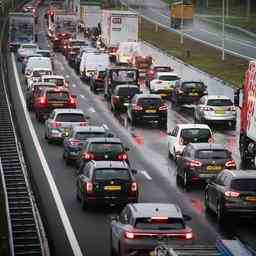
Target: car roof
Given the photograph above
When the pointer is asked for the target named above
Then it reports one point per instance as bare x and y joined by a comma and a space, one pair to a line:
69, 110
191, 125
89, 128
53, 76
167, 74
144, 95
127, 86
111, 164
213, 97
242, 174
104, 140
142, 210
201, 145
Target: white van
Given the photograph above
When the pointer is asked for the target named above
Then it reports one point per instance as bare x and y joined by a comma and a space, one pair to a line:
91, 62
36, 75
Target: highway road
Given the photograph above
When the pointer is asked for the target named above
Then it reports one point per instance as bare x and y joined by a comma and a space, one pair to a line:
235, 41
148, 154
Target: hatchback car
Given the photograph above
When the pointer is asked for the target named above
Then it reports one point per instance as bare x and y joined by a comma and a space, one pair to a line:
73, 143
140, 227
216, 109
147, 107
182, 134
201, 161
102, 149
61, 121
123, 95
163, 83
188, 92
232, 193
106, 182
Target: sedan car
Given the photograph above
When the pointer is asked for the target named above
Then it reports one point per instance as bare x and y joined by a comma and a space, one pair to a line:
73, 143
25, 50
147, 107
201, 161
188, 92
216, 109
140, 227
182, 134
61, 122
232, 193
106, 182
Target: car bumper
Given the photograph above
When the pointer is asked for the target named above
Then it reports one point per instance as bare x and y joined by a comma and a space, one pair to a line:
73, 155
151, 116
188, 99
98, 85
239, 209
220, 119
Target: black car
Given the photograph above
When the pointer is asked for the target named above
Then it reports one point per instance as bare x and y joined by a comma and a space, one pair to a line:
201, 161
97, 81
123, 95
147, 107
102, 149
232, 193
188, 92
106, 182
117, 76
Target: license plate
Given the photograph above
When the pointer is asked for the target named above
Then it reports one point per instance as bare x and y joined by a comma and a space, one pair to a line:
193, 94
57, 104
150, 111
163, 94
220, 112
213, 168
112, 188
251, 198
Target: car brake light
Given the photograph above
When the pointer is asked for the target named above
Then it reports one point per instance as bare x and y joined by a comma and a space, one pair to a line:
116, 98
134, 186
88, 156
137, 108
42, 101
72, 101
159, 218
129, 235
163, 108
122, 157
232, 194
74, 142
194, 163
89, 187
55, 124
230, 164
189, 236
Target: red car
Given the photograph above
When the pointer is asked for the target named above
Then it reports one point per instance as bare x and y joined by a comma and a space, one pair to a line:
51, 98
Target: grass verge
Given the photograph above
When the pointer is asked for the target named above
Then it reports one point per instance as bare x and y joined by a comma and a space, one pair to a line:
205, 58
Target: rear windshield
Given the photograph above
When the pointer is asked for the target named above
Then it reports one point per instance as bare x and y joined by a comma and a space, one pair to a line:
102, 74
112, 174
244, 184
169, 78
70, 117
128, 91
58, 82
163, 224
163, 69
52, 95
149, 102
124, 75
192, 85
219, 102
86, 135
195, 135
39, 73
213, 154
114, 148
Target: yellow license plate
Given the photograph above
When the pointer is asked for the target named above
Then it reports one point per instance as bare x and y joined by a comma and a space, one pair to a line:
251, 198
163, 94
193, 94
150, 111
112, 188
220, 112
213, 168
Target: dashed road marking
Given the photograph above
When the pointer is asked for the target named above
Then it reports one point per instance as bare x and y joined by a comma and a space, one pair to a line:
92, 110
145, 173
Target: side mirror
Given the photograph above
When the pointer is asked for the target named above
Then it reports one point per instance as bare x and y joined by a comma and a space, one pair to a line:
237, 97
134, 171
126, 149
74, 96
187, 217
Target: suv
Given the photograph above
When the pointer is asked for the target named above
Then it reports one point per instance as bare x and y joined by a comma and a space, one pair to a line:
201, 161
188, 92
102, 149
140, 227
232, 192
97, 80
51, 98
147, 107
216, 109
106, 182
61, 121
122, 95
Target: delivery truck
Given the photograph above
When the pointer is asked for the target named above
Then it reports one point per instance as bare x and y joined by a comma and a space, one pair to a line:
21, 29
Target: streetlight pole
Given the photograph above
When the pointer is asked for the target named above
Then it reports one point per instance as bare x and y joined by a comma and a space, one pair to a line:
182, 23
223, 30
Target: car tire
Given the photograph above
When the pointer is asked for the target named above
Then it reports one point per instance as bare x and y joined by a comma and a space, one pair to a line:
84, 203
206, 201
220, 213
185, 180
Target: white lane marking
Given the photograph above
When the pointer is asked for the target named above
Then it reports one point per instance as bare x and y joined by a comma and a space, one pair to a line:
61, 209
145, 173
105, 127
73, 85
92, 110
82, 96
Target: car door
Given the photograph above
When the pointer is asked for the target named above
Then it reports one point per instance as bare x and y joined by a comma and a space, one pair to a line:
172, 138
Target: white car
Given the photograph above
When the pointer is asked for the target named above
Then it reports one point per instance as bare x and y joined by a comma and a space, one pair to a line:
182, 134
57, 79
25, 50
163, 83
36, 74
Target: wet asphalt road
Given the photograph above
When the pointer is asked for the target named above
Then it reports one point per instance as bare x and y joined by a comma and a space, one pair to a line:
148, 153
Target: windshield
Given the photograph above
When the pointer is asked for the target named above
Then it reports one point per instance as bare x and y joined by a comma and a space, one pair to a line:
45, 54
70, 117
62, 96
193, 85
39, 73
124, 75
213, 154
57, 81
149, 102
112, 174
128, 91
169, 78
195, 135
86, 135
244, 184
219, 102
163, 69
100, 147
159, 224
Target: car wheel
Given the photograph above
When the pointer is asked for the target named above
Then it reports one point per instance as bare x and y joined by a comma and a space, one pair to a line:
206, 201
84, 203
220, 213
185, 181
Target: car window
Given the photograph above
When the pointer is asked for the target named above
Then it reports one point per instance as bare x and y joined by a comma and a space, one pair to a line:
111, 174
212, 154
128, 91
244, 184
219, 102
70, 117
100, 147
192, 85
57, 81
159, 224
168, 78
195, 135
86, 135
52, 95
149, 102
124, 75
39, 73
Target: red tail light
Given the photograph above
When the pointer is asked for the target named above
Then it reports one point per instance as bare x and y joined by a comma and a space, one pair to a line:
122, 157
163, 108
129, 235
74, 142
43, 101
230, 164
194, 163
88, 156
137, 108
88, 187
115, 98
207, 109
134, 187
55, 124
232, 194
72, 101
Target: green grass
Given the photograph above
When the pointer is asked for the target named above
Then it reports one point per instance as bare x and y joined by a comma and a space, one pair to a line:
168, 1
205, 58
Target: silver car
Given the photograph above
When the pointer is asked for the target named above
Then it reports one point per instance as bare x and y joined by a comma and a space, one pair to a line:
216, 109
61, 121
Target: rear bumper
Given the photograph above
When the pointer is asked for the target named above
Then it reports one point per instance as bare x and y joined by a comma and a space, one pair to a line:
98, 85
220, 119
238, 209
